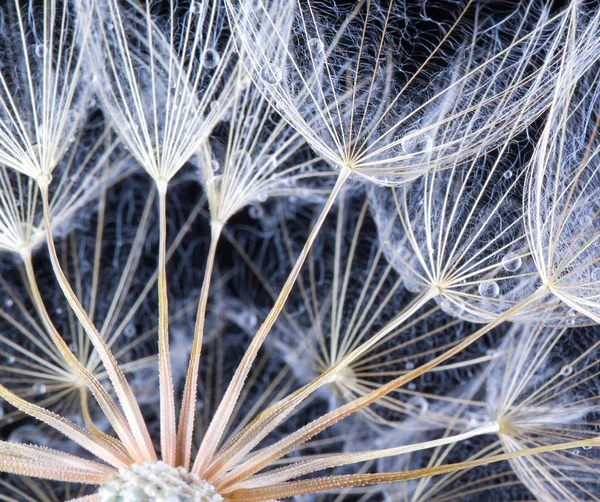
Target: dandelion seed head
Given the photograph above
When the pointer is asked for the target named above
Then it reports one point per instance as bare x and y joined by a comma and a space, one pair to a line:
379, 112
157, 482
541, 391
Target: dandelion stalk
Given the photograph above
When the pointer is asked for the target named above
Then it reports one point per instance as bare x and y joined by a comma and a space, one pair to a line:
303, 468
281, 448
167, 394
271, 417
223, 414
188, 405
295, 488
122, 388
111, 411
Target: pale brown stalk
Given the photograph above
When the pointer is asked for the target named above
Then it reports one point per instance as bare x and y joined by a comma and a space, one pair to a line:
222, 416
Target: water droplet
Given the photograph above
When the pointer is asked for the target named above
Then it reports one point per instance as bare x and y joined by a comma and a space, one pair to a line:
262, 197
255, 212
215, 166
489, 289
38, 388
8, 303
416, 142
196, 7
247, 320
566, 370
129, 331
587, 448
315, 46
420, 403
511, 262
210, 58
451, 308
271, 74
508, 174
110, 26
40, 50
10, 359
409, 365
58, 310
411, 285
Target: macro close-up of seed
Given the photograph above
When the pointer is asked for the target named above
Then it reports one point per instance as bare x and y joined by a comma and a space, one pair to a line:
308, 250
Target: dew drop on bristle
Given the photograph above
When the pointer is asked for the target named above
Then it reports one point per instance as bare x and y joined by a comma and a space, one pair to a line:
416, 142
196, 7
39, 388
315, 46
566, 370
210, 58
511, 262
489, 289
129, 331
271, 74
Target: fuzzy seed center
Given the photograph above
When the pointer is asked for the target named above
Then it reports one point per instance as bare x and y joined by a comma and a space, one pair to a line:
157, 482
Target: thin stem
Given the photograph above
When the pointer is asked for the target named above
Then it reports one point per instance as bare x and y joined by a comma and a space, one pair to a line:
269, 419
108, 406
222, 416
122, 388
309, 466
168, 431
188, 404
285, 490
282, 447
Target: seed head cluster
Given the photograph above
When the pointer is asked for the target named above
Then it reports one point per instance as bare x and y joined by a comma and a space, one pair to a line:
317, 250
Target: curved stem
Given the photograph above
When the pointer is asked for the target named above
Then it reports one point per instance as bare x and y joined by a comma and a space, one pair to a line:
130, 406
222, 416
309, 466
275, 414
188, 405
282, 447
167, 393
285, 490
108, 406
